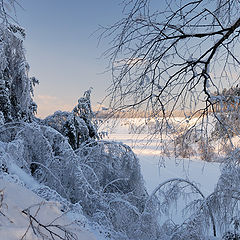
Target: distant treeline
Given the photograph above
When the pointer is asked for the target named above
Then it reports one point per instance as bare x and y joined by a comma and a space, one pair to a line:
141, 114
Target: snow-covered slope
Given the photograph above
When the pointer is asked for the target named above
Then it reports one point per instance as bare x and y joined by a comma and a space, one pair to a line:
24, 215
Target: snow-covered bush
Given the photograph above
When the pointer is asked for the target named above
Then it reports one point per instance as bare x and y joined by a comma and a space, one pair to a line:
206, 150
184, 141
103, 177
117, 174
226, 195
227, 125
191, 141
216, 215
78, 126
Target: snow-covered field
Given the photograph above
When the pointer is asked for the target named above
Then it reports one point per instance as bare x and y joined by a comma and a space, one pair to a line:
156, 168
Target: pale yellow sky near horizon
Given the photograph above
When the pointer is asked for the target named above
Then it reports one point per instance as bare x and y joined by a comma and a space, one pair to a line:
47, 105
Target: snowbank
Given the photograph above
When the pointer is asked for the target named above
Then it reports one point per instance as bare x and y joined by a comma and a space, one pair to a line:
23, 213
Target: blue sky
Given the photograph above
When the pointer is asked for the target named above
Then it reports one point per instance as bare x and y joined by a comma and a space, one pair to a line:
61, 51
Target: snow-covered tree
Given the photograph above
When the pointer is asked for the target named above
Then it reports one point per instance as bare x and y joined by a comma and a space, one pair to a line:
16, 87
62, 152
227, 110
172, 57
78, 126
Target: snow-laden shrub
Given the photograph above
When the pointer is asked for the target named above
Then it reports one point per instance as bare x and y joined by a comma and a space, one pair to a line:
118, 176
226, 205
113, 161
184, 142
103, 177
206, 150
183, 198
216, 215
78, 126
192, 142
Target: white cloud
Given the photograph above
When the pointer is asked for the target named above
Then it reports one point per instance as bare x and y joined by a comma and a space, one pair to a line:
130, 62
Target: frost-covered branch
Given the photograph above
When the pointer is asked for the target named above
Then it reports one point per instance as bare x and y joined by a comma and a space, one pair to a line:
53, 231
178, 181
173, 58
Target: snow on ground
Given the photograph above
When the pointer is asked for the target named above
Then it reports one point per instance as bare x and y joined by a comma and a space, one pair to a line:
18, 205
154, 172
157, 169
